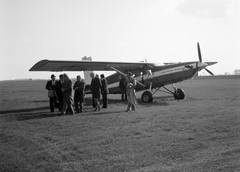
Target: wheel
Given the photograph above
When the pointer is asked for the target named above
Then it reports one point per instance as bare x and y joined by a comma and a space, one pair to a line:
179, 94
147, 97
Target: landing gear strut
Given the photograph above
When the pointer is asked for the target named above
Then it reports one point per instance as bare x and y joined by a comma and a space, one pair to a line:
178, 94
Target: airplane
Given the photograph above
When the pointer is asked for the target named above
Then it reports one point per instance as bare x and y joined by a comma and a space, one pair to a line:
151, 77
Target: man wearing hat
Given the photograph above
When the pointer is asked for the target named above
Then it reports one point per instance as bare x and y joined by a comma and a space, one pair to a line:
50, 86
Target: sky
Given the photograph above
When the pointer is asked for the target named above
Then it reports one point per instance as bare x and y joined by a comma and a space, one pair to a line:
117, 30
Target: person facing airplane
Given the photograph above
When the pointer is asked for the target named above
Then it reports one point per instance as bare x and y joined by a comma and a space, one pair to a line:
67, 95
104, 91
79, 94
95, 88
130, 89
50, 86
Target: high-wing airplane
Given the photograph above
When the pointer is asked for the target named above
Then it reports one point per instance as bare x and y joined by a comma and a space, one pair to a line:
151, 77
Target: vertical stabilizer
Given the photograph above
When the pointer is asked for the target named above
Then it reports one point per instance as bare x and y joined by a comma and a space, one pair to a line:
87, 77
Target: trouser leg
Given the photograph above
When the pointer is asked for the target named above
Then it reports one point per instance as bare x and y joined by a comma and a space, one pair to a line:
122, 95
93, 101
133, 107
125, 96
81, 106
70, 106
96, 101
60, 106
129, 106
105, 101
76, 106
51, 101
64, 109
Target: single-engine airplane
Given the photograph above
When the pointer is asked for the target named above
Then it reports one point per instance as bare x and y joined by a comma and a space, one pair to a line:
151, 77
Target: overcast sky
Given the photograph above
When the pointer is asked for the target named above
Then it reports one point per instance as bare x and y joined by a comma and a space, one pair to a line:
117, 30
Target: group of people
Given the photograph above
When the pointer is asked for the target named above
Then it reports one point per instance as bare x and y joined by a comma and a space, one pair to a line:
98, 87
60, 92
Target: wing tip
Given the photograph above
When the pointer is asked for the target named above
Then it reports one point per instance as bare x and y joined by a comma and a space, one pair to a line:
38, 65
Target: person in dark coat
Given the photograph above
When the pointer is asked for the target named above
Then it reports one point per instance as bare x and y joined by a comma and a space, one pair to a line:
96, 90
50, 86
59, 94
104, 91
79, 94
122, 86
67, 95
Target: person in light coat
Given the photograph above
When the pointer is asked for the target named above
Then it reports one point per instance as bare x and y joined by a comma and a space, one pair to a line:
67, 88
130, 90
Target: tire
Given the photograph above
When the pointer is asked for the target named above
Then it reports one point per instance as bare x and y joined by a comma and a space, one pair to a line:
179, 94
147, 97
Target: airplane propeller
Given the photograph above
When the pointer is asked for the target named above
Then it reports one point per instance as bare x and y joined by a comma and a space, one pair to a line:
200, 60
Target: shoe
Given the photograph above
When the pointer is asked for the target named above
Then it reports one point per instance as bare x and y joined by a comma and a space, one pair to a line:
98, 109
128, 110
104, 107
95, 109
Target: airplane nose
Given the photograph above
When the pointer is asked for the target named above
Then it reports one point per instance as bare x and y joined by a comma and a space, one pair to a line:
202, 65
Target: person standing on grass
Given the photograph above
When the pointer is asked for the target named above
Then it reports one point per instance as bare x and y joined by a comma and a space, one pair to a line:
104, 91
130, 86
95, 88
50, 86
79, 94
67, 95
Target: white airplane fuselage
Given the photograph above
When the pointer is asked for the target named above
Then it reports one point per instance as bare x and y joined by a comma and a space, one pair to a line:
160, 76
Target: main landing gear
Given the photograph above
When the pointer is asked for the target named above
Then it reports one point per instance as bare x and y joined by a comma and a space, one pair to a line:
178, 94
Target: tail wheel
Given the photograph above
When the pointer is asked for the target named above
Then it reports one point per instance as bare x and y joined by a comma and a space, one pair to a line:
147, 97
179, 94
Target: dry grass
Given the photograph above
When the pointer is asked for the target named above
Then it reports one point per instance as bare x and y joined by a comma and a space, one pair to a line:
200, 133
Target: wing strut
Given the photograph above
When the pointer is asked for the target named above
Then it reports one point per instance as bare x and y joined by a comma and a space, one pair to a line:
118, 71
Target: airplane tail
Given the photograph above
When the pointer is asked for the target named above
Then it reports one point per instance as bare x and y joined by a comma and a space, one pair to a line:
86, 74
87, 77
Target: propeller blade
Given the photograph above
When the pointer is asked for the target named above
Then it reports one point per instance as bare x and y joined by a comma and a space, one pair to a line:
209, 71
199, 52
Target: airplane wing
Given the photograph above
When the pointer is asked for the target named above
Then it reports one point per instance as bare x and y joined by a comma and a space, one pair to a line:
51, 65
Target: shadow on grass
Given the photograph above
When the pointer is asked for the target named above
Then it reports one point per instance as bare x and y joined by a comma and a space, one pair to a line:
40, 112
36, 115
24, 110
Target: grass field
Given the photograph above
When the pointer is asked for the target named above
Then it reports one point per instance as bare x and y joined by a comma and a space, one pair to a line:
199, 133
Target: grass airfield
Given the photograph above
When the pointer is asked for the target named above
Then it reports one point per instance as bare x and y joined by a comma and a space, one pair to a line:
199, 133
